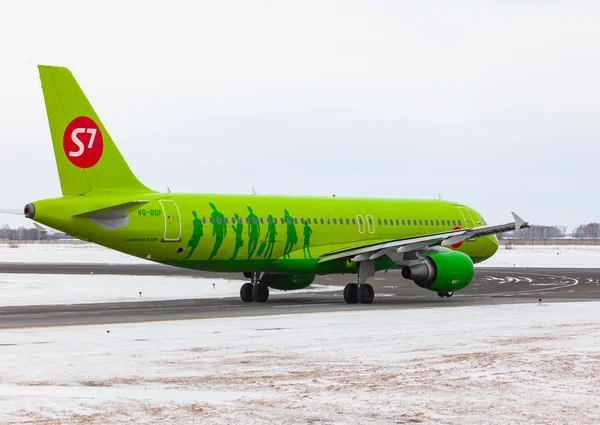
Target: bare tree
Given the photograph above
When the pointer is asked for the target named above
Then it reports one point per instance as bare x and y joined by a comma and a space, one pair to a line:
587, 231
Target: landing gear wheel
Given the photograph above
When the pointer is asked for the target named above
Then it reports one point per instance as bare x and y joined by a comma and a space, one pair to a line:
260, 292
445, 294
449, 293
246, 292
365, 293
351, 293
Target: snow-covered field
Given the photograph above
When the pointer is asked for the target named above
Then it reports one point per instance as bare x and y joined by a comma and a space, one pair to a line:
64, 253
518, 256
36, 289
517, 364
551, 256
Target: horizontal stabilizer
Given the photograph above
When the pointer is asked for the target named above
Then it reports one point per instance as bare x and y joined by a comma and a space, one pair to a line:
114, 217
111, 212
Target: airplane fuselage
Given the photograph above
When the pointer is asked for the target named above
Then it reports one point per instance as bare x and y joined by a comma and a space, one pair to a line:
237, 233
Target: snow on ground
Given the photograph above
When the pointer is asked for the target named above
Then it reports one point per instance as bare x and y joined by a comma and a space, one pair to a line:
39, 289
64, 253
449, 365
550, 256
518, 256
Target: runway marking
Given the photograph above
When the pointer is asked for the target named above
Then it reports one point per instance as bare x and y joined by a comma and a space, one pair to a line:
558, 286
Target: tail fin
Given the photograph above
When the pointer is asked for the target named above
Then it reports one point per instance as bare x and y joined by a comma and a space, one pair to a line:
86, 156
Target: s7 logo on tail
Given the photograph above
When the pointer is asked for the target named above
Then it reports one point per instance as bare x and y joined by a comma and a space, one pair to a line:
83, 143
79, 143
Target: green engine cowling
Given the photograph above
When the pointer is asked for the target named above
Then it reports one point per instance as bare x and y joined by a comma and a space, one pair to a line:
441, 271
288, 282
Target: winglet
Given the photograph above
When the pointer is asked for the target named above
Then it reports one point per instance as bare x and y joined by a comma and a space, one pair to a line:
519, 222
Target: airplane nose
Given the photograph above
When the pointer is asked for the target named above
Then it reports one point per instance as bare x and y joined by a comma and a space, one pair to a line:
491, 245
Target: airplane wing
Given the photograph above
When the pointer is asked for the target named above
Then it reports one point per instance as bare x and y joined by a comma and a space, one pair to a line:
396, 248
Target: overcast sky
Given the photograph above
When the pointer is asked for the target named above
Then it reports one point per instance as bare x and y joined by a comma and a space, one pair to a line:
492, 104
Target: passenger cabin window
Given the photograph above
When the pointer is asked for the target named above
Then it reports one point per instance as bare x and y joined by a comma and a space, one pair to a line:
262, 221
334, 221
328, 222
403, 223
354, 221
204, 220
437, 222
322, 222
347, 221
295, 221
454, 222
459, 223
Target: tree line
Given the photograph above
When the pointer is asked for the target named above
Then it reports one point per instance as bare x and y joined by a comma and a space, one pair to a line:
584, 231
29, 234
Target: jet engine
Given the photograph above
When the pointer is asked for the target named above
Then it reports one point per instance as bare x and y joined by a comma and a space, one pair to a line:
441, 271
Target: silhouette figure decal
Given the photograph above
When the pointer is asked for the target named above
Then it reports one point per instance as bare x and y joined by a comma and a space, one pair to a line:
219, 229
291, 235
239, 242
267, 246
270, 236
253, 232
307, 232
197, 234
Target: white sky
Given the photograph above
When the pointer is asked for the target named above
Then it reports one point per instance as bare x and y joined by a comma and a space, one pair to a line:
493, 104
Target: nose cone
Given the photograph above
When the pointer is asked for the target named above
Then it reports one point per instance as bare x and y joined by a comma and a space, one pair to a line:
489, 246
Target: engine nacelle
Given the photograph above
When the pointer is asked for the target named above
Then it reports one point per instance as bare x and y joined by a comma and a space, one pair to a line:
441, 271
287, 282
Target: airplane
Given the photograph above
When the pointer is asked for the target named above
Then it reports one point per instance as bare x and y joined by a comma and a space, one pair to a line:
279, 242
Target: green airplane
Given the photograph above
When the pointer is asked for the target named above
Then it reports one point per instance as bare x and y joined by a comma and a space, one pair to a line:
279, 242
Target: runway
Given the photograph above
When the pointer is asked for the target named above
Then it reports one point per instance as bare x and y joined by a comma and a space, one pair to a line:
489, 286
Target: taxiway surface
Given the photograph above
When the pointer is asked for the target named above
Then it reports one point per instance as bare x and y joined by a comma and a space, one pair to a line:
489, 286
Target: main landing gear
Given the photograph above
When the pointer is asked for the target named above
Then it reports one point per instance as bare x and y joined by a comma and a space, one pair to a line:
445, 294
361, 292
354, 293
254, 290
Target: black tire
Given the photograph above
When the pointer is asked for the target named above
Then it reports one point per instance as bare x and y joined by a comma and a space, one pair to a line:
445, 294
260, 292
351, 293
246, 292
366, 294
449, 294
